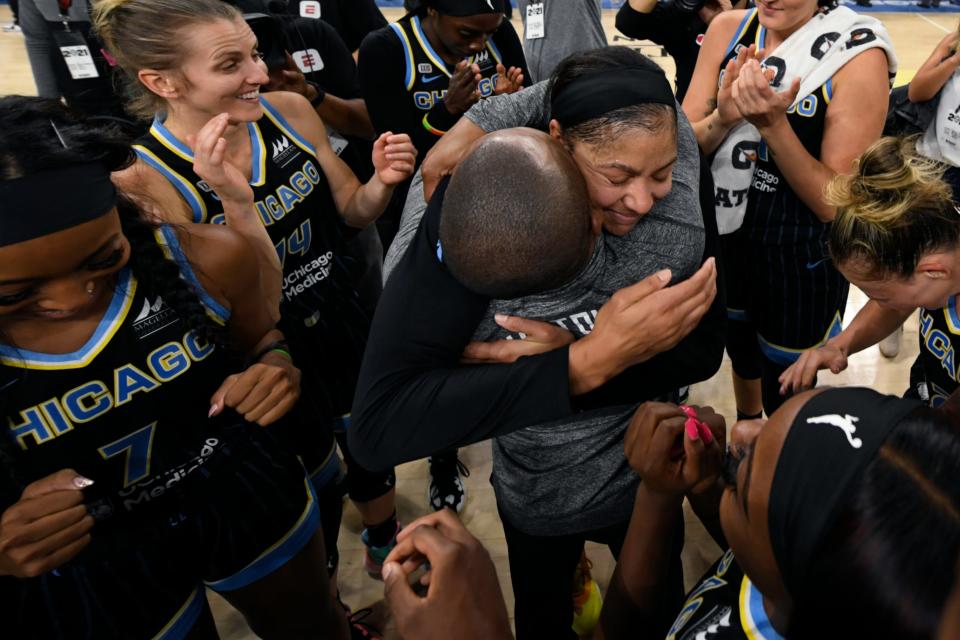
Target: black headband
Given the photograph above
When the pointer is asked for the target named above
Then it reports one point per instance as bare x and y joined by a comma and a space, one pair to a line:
48, 201
591, 96
461, 8
832, 440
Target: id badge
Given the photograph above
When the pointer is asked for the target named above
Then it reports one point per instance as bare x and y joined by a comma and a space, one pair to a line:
534, 29
76, 53
337, 142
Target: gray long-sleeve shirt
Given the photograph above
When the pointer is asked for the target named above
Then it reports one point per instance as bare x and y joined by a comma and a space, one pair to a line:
655, 235
569, 26
570, 475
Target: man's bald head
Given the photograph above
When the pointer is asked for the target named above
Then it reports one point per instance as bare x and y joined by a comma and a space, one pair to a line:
516, 216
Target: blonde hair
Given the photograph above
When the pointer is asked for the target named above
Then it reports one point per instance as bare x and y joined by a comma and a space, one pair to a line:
148, 34
892, 209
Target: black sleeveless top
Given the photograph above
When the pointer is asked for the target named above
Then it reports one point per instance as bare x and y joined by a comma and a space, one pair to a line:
129, 408
322, 315
939, 336
797, 297
725, 605
428, 76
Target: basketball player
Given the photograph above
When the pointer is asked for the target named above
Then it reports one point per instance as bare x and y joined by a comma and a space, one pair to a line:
896, 237
268, 169
133, 475
785, 295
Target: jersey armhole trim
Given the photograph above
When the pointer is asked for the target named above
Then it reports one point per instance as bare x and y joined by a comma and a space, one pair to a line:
741, 29
181, 184
170, 244
427, 48
407, 55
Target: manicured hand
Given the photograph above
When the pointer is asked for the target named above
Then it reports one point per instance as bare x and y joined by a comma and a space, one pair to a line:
672, 452
47, 527
262, 393
538, 337
644, 319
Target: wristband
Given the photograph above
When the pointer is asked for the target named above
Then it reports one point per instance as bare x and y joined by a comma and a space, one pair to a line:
276, 345
282, 352
321, 94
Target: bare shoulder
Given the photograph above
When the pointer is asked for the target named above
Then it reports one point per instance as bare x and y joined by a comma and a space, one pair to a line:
222, 258
152, 192
725, 24
292, 106
867, 71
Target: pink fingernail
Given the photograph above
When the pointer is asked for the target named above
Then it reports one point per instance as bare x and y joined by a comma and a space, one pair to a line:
705, 432
213, 410
691, 426
690, 411
82, 483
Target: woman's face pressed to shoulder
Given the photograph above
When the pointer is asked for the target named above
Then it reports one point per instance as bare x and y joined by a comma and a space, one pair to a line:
223, 72
627, 175
51, 277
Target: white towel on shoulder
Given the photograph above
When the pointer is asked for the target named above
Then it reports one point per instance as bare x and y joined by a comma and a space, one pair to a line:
813, 53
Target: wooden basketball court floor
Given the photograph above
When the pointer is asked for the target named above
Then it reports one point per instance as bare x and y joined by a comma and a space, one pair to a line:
914, 35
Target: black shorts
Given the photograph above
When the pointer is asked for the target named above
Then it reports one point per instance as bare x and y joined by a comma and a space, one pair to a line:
791, 295
252, 513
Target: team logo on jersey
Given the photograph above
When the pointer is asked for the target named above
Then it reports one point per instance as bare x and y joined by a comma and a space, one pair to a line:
425, 67
310, 9
308, 60
481, 57
283, 151
845, 423
153, 317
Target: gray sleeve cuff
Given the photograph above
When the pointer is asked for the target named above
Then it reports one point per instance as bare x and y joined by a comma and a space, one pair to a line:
525, 108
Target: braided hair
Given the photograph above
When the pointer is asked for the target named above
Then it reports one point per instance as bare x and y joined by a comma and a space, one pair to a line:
38, 134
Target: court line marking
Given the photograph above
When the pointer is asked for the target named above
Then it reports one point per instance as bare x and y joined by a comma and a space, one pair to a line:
929, 21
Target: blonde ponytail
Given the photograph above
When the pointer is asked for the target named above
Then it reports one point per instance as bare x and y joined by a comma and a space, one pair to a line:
894, 207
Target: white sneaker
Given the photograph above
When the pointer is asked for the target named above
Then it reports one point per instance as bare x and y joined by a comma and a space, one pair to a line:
13, 27
890, 346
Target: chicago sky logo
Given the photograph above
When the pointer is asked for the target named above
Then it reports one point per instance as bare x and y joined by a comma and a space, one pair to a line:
283, 151
153, 317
